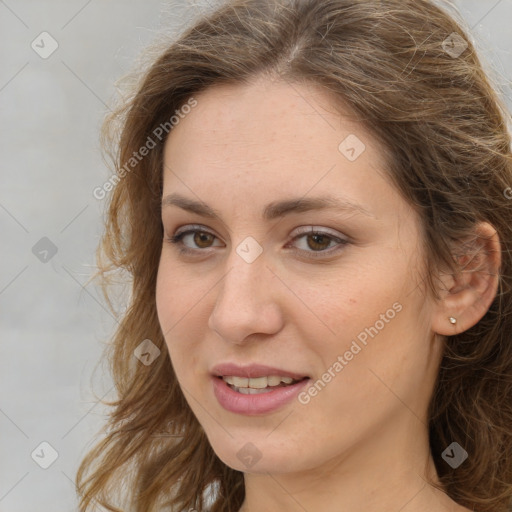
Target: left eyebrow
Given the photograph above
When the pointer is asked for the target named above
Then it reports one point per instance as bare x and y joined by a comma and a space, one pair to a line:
278, 209
273, 210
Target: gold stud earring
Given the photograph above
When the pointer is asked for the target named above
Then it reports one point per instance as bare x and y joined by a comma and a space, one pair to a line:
452, 320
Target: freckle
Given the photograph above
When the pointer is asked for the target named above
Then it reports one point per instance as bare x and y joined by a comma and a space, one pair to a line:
353, 301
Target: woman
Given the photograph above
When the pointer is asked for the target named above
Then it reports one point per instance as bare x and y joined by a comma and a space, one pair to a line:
311, 201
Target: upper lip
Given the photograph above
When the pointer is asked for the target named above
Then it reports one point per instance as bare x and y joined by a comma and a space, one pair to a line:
253, 371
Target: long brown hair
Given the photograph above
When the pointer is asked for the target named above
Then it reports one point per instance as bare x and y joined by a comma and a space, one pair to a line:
445, 130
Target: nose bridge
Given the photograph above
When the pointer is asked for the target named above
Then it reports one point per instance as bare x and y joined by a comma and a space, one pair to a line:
244, 277
245, 301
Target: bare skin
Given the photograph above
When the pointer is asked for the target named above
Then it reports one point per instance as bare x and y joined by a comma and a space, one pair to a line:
361, 442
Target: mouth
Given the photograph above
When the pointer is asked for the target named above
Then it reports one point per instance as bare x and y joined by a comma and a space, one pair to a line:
256, 389
258, 385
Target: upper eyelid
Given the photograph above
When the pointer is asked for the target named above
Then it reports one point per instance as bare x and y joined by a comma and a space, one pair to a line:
193, 228
322, 230
303, 230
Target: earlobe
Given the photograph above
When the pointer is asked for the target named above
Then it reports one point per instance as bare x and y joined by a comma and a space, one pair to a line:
467, 295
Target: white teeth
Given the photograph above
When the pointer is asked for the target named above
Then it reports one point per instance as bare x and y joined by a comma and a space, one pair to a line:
274, 380
240, 382
257, 382
229, 380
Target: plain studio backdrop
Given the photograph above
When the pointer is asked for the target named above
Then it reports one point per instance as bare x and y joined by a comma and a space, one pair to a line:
60, 61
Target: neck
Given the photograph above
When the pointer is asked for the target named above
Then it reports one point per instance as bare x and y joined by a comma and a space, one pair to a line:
388, 471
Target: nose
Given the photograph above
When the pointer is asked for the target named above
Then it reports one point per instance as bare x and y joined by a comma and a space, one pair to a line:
247, 301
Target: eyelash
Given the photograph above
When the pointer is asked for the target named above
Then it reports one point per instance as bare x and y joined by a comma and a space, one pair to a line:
177, 240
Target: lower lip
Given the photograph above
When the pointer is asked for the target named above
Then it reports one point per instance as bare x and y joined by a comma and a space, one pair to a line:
252, 405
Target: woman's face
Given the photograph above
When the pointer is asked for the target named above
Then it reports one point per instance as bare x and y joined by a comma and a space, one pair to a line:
294, 258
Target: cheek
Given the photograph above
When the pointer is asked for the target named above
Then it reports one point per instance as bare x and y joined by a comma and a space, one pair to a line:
180, 293
365, 315
340, 307
177, 303
374, 359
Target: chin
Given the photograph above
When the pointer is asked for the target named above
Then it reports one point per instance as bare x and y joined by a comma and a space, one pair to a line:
275, 463
252, 454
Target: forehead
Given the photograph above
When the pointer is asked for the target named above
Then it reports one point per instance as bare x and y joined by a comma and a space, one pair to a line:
268, 139
266, 122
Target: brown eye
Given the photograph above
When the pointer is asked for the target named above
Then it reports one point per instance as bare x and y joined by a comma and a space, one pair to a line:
318, 242
195, 240
202, 239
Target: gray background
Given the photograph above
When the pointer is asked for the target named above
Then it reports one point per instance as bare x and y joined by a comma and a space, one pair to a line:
53, 326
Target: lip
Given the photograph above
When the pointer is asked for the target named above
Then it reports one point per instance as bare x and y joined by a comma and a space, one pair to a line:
253, 405
252, 371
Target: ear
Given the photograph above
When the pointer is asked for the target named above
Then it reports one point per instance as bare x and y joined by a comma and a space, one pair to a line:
467, 295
